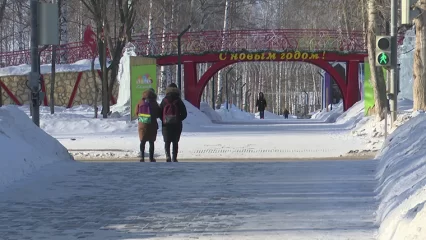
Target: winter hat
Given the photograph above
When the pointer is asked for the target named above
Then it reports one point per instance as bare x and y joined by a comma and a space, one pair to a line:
172, 85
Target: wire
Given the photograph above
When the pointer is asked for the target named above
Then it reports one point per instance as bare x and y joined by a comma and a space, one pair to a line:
407, 51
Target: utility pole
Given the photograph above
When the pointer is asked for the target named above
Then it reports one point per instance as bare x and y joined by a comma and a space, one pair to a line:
34, 76
394, 78
179, 57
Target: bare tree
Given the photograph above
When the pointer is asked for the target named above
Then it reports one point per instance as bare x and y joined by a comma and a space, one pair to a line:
377, 80
127, 14
2, 9
419, 85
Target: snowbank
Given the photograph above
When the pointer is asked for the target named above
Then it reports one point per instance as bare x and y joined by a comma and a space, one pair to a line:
79, 120
212, 114
354, 114
24, 147
23, 69
195, 117
374, 131
330, 116
402, 182
234, 114
269, 115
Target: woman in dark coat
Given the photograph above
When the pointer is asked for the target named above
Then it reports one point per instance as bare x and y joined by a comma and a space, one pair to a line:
261, 105
172, 129
148, 131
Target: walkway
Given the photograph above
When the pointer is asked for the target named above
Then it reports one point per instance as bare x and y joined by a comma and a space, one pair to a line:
287, 200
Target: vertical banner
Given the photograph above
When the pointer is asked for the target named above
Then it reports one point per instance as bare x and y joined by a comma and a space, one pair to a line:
143, 76
369, 100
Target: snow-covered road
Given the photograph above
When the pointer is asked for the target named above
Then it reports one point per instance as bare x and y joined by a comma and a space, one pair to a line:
235, 200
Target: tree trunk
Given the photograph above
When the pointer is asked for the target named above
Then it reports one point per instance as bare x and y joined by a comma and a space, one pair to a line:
150, 30
52, 81
419, 85
95, 84
377, 80
219, 77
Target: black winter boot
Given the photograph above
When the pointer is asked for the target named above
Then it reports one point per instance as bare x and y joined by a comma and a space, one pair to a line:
151, 152
142, 149
175, 151
167, 149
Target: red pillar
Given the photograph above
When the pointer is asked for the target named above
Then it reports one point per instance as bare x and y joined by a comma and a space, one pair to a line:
190, 83
352, 90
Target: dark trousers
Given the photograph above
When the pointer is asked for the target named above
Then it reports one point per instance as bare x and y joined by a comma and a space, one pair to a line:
262, 114
151, 150
174, 152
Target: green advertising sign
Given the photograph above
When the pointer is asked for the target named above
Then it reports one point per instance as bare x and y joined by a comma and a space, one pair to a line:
142, 77
369, 99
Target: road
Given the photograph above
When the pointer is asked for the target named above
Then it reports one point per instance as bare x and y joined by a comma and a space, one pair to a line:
295, 200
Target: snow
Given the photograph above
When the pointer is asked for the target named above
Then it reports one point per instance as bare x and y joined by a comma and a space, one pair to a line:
406, 59
242, 135
350, 197
402, 182
373, 131
24, 69
329, 116
123, 79
210, 112
24, 147
234, 114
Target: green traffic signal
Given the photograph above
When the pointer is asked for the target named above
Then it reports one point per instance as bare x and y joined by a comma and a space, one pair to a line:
383, 59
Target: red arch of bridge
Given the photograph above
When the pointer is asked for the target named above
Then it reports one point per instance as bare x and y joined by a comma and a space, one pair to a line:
194, 86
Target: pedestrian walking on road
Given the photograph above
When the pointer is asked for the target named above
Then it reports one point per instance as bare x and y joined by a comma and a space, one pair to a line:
147, 111
173, 112
261, 105
286, 113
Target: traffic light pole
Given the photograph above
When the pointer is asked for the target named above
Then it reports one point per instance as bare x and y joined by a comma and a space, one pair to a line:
394, 74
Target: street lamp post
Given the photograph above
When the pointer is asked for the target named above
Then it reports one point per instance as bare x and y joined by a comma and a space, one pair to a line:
179, 57
226, 87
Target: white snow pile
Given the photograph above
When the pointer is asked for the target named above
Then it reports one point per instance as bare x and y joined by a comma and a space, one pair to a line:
122, 107
354, 114
234, 114
210, 112
406, 58
79, 120
330, 116
373, 131
269, 115
24, 69
196, 118
402, 182
24, 147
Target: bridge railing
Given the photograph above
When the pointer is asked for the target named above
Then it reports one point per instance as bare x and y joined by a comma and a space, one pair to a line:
209, 42
253, 41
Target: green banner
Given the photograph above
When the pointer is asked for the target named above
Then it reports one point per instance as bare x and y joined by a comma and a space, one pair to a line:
142, 77
369, 99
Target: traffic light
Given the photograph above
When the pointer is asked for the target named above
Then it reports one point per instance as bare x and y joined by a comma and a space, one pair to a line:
383, 51
408, 11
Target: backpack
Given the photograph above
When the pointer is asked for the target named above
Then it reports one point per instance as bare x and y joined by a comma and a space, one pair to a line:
144, 112
171, 111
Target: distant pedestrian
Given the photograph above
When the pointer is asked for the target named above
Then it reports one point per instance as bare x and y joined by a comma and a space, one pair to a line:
173, 112
261, 105
286, 113
147, 111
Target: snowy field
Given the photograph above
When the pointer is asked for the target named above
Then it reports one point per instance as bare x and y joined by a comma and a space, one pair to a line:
241, 137
44, 194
